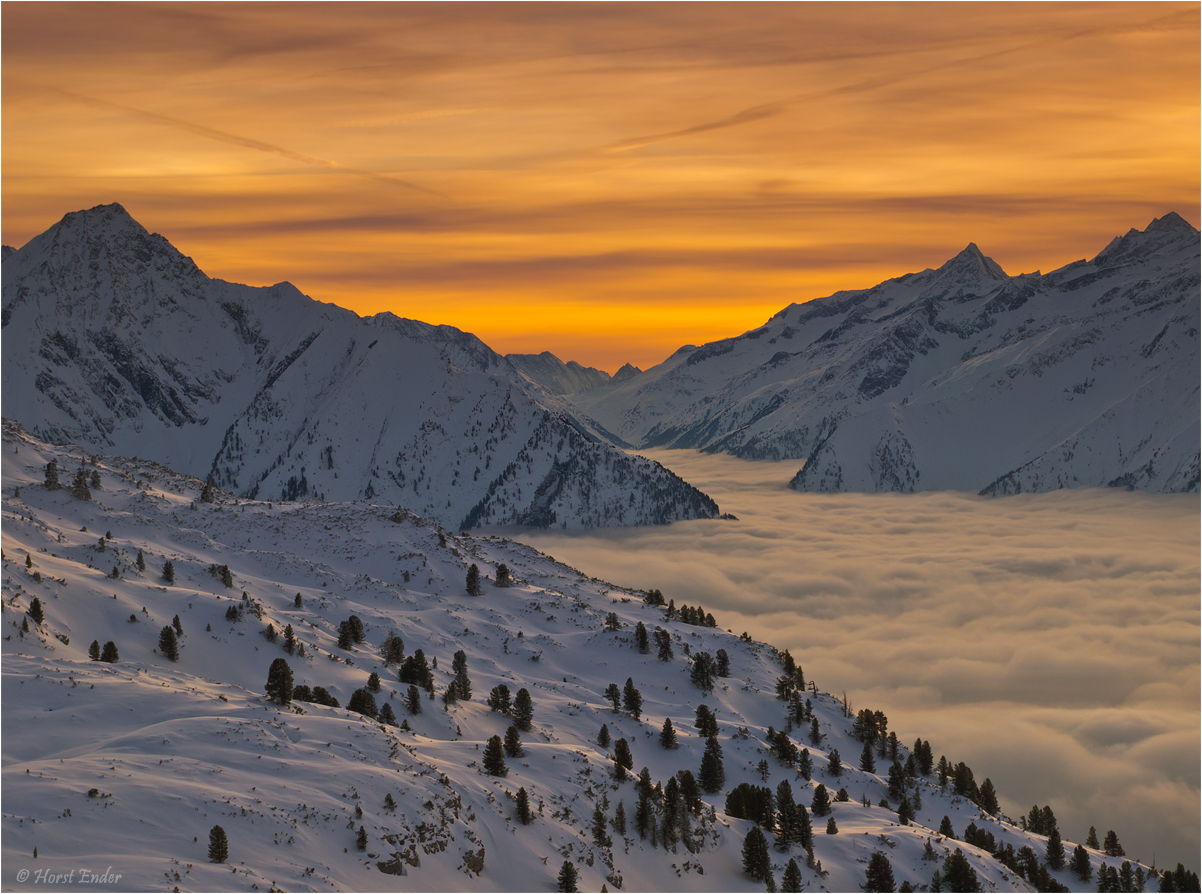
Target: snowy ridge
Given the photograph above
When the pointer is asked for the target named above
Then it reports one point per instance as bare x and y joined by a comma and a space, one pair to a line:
114, 340
129, 765
960, 378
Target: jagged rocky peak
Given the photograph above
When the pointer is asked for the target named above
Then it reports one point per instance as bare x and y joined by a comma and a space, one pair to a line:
1168, 233
628, 371
971, 265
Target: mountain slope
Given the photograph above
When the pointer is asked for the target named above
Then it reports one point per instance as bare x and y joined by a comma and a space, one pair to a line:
114, 339
958, 378
129, 765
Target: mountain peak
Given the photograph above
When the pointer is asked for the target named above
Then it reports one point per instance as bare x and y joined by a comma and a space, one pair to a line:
972, 264
1171, 231
628, 371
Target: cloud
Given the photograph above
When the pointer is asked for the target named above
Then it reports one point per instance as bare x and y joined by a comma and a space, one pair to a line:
1049, 641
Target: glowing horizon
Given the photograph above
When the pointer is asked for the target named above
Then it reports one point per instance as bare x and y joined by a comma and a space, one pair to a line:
607, 182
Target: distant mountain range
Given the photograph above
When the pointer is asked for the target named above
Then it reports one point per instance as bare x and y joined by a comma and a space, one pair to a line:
116, 341
960, 378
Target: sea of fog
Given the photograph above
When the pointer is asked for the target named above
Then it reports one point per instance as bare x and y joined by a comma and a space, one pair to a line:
1049, 641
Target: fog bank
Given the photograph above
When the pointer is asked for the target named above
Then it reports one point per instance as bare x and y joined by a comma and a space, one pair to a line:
1050, 641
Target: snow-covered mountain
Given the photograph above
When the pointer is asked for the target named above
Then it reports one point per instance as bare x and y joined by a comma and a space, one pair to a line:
115, 340
553, 374
960, 378
124, 767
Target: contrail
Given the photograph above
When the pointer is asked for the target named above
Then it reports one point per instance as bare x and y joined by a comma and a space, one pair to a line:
245, 142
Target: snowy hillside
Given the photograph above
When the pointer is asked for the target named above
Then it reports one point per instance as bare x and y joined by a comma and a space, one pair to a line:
115, 340
127, 766
556, 376
959, 378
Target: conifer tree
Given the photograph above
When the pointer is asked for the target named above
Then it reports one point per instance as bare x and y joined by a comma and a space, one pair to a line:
494, 757
821, 805
504, 578
94, 650
219, 845
206, 492
387, 715
52, 476
566, 882
346, 637
109, 654
361, 839
632, 699
226, 577
835, 765
373, 682
523, 807
600, 836
832, 827
523, 711
513, 743
1111, 846
755, 855
867, 761
179, 627
289, 639
987, 797
663, 644
612, 622
603, 736
298, 602
706, 723
169, 572
1055, 850
141, 561
791, 881
356, 626
703, 672
1080, 863
499, 699
879, 874
473, 581
35, 611
945, 828
463, 685
623, 759
167, 643
958, 874
413, 700
905, 812
722, 663
641, 640
614, 694
712, 775
279, 682
1091, 840
362, 702
667, 735
620, 819
79, 488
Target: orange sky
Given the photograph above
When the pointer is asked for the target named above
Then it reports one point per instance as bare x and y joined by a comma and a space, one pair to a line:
607, 182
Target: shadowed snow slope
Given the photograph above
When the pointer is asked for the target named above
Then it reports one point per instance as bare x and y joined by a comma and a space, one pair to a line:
961, 378
129, 765
115, 340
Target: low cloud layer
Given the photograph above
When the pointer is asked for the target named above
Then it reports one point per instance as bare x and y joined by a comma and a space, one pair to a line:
1049, 641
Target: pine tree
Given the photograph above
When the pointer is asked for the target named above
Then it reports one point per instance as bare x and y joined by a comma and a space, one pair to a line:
755, 855
389, 802
667, 736
958, 874
523, 711
614, 694
945, 828
1091, 840
413, 700
722, 663
52, 476
499, 699
176, 623
109, 654
473, 581
523, 806
227, 577
567, 877
703, 672
1055, 850
513, 743
1080, 863
623, 759
346, 637
835, 765
279, 682
356, 625
600, 836
632, 699
206, 492
905, 812
169, 572
791, 881
35, 611
603, 736
867, 761
79, 488
463, 685
1111, 846
821, 805
392, 650
373, 682
289, 640
219, 845
712, 775
494, 757
987, 798
879, 874
298, 602
167, 643
641, 640
612, 622
141, 561
831, 827
504, 578
94, 650
706, 723
663, 644
620, 819
362, 702
387, 716
361, 839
